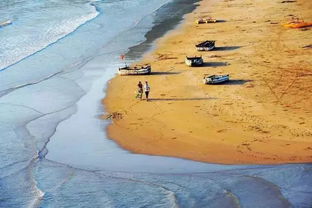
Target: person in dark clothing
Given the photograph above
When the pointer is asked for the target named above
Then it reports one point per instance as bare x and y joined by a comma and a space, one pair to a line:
140, 90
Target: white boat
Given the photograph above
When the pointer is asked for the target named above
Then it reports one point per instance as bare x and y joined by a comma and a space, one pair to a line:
194, 61
207, 20
136, 70
5, 23
216, 79
207, 45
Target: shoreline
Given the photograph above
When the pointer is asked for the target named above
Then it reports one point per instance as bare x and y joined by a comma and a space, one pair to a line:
247, 121
164, 25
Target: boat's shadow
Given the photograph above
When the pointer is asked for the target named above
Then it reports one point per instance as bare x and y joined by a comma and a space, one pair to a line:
164, 73
215, 64
235, 82
226, 48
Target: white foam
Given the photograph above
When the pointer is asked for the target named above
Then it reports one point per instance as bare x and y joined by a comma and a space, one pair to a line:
32, 35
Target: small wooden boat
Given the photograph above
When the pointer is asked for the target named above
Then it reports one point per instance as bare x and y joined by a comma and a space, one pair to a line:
299, 24
205, 20
136, 70
5, 23
216, 79
194, 61
207, 45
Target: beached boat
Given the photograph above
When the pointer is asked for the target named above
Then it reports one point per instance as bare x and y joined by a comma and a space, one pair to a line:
205, 20
299, 24
216, 79
5, 23
194, 61
136, 70
207, 45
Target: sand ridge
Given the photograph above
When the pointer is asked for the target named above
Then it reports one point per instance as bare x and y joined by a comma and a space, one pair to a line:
263, 116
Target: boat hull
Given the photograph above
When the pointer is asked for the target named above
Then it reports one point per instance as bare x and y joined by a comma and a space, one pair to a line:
194, 62
132, 71
205, 21
205, 48
5, 23
207, 45
216, 79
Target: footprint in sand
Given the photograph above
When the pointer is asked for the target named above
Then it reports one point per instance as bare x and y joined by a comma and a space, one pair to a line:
247, 145
221, 130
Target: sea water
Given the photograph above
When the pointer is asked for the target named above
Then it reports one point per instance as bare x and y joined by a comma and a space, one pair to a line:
55, 61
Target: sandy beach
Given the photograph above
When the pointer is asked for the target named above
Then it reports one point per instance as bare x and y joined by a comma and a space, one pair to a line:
262, 116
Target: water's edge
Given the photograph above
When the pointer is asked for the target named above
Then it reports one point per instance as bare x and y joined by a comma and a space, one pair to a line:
169, 18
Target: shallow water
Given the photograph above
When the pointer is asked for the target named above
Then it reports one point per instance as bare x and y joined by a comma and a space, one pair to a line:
54, 150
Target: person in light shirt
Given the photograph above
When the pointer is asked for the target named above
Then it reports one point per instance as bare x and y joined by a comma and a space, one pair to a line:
146, 90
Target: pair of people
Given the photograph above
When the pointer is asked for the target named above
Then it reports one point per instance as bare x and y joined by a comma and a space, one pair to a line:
146, 88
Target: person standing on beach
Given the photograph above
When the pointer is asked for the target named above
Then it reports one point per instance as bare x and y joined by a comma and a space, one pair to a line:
140, 90
146, 90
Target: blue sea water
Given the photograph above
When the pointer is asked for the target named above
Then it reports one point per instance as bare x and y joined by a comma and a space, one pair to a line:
55, 61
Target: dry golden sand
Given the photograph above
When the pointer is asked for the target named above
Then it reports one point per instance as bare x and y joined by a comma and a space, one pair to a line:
262, 116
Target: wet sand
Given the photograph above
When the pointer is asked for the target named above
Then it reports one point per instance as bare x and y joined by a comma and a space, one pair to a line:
262, 116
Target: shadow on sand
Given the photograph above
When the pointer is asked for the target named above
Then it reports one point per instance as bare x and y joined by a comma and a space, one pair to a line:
181, 99
164, 73
235, 82
215, 64
226, 48
219, 21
